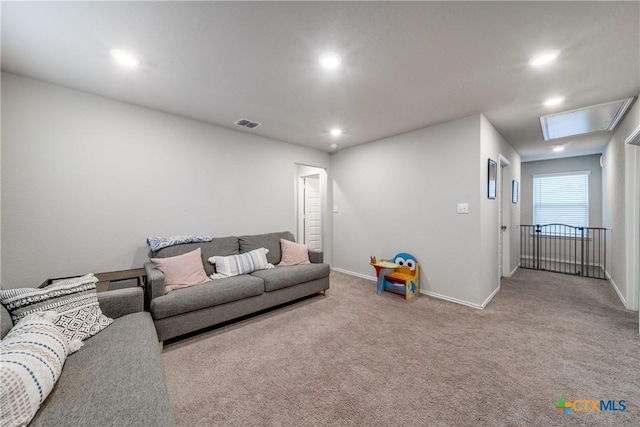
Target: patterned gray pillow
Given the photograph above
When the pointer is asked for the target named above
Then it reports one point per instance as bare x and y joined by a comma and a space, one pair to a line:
75, 301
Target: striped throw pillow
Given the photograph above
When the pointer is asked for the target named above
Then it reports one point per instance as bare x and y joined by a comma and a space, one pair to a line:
74, 299
31, 359
235, 265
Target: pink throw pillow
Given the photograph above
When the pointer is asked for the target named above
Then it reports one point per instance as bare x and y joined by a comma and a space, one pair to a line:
293, 253
182, 271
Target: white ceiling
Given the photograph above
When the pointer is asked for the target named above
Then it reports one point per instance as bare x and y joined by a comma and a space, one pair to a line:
405, 65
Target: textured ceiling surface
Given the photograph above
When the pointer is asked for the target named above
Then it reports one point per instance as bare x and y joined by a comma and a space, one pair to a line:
405, 65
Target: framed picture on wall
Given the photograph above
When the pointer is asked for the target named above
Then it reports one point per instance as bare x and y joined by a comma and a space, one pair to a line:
514, 191
491, 183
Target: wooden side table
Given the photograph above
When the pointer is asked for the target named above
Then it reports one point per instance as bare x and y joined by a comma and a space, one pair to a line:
105, 279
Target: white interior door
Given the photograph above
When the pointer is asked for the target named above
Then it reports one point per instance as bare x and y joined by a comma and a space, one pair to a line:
312, 212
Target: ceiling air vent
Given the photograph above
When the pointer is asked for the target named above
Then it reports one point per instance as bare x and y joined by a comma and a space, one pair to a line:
597, 118
634, 138
247, 123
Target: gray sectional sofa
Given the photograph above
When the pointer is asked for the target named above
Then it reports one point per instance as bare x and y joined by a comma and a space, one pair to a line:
190, 309
116, 378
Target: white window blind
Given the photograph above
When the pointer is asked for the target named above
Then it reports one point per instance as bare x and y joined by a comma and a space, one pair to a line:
561, 199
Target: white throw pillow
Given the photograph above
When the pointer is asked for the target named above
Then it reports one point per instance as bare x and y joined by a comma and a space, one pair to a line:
235, 265
31, 359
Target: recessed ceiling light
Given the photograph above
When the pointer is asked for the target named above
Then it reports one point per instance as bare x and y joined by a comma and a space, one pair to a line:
333, 146
558, 149
124, 58
553, 101
330, 60
336, 132
544, 57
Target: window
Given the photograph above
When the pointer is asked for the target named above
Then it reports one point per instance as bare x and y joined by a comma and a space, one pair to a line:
561, 198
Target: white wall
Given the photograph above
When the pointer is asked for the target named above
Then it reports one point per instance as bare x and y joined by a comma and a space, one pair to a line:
493, 145
569, 164
618, 164
85, 180
400, 194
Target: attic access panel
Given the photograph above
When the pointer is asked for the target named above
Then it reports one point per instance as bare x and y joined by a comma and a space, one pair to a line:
597, 118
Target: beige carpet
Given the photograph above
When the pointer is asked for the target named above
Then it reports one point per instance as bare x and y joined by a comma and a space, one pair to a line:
355, 358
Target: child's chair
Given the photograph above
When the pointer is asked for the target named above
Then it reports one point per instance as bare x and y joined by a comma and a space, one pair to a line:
405, 280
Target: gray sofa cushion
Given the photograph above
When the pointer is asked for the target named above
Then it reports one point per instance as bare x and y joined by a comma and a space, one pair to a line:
283, 277
270, 241
116, 378
206, 295
120, 302
316, 257
220, 246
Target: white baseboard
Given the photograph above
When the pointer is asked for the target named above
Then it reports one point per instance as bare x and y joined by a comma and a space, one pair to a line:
490, 297
353, 273
563, 261
451, 299
462, 302
422, 291
610, 279
514, 270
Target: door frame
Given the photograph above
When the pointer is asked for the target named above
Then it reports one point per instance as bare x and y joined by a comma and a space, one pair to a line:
302, 170
303, 220
504, 218
632, 220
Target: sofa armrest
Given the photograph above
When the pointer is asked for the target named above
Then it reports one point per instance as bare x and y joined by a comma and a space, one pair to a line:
155, 281
316, 257
120, 302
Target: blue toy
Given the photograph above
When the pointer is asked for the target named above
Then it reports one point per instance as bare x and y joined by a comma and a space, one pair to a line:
400, 275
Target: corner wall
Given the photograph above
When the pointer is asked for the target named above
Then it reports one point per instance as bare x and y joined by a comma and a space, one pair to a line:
401, 193
616, 184
85, 180
493, 145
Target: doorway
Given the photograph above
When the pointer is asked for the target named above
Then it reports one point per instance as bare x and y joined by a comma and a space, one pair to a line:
311, 193
311, 212
504, 219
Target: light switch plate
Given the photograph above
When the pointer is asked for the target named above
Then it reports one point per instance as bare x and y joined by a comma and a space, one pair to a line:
335, 209
463, 208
